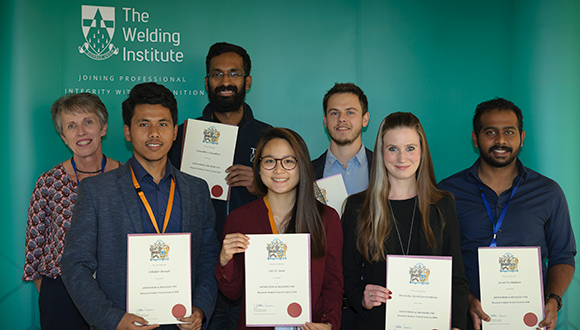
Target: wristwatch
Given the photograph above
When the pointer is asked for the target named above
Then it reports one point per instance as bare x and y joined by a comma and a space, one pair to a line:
556, 297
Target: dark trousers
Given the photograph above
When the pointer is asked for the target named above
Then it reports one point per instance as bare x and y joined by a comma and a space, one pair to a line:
57, 310
226, 313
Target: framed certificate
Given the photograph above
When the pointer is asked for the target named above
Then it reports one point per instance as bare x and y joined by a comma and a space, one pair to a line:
208, 150
277, 273
159, 276
421, 287
511, 286
332, 192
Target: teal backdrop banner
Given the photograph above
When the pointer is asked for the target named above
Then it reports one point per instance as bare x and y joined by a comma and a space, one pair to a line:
437, 59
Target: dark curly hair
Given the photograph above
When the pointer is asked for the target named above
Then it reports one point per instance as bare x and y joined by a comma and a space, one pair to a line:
496, 103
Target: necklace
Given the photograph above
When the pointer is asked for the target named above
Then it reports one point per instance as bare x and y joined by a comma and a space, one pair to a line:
86, 172
397, 227
74, 166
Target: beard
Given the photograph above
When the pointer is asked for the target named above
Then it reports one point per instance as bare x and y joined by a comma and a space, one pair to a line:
223, 104
349, 139
486, 156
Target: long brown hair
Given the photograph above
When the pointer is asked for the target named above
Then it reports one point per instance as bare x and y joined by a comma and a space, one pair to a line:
306, 215
376, 222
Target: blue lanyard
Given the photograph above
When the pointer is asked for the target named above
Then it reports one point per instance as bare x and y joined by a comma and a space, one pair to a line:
74, 166
496, 225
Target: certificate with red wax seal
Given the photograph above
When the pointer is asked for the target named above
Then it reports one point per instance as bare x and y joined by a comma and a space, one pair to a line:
511, 286
277, 270
421, 287
208, 150
159, 276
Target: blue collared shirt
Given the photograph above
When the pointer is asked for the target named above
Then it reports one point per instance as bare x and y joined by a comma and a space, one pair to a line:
356, 174
537, 216
157, 196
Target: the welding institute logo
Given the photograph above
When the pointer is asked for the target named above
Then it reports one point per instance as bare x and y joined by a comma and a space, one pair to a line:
98, 24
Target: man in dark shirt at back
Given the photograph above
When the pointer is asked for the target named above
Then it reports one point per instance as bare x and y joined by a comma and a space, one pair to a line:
227, 80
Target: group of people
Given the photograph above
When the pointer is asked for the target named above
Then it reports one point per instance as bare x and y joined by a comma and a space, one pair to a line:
76, 247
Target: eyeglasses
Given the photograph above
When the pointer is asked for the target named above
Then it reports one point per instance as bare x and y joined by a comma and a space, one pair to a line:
288, 163
221, 75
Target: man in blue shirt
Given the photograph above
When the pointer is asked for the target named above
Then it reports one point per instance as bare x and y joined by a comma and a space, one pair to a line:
345, 109
135, 198
537, 213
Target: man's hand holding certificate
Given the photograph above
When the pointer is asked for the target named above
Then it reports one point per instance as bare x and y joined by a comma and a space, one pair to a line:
511, 286
159, 277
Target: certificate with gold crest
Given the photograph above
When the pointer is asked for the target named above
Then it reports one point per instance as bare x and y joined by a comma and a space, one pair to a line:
208, 150
421, 287
331, 191
511, 287
277, 271
159, 276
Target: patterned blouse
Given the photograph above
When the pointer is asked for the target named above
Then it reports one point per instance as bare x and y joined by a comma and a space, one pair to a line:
49, 217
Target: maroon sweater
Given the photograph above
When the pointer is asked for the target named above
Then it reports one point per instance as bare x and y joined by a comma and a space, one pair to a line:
326, 273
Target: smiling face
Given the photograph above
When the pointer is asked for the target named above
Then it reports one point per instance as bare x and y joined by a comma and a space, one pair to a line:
279, 181
82, 132
344, 118
499, 140
227, 94
152, 133
401, 153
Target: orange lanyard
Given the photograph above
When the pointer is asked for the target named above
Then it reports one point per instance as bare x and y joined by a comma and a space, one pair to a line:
148, 207
270, 216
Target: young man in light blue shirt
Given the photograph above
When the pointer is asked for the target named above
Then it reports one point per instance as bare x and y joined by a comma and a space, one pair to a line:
345, 114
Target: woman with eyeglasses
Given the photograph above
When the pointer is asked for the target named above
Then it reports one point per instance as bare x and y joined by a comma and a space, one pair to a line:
401, 212
283, 173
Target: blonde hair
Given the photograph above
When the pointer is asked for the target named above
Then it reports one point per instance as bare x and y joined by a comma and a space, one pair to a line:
376, 222
76, 103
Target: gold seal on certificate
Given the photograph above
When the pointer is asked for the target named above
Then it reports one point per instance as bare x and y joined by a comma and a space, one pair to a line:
332, 192
159, 276
277, 274
421, 287
511, 286
208, 150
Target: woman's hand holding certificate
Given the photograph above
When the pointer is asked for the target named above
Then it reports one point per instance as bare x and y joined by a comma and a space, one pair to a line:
375, 295
233, 243
277, 286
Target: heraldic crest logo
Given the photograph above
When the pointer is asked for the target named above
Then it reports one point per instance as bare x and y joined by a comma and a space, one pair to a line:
98, 25
211, 135
508, 263
419, 274
320, 194
276, 250
159, 250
